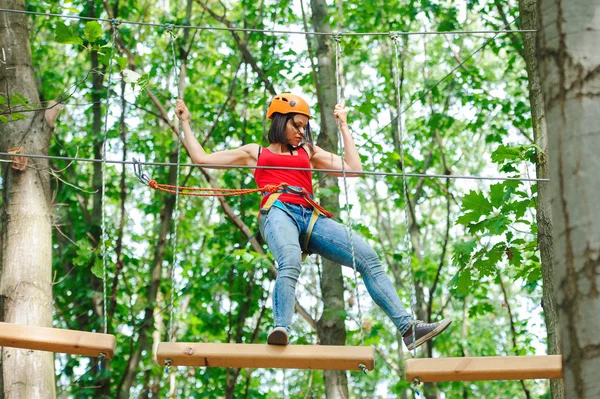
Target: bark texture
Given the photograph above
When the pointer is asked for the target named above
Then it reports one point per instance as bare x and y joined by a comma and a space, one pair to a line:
25, 216
528, 13
569, 66
331, 328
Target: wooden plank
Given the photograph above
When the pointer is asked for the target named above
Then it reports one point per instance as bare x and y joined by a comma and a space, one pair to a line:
490, 368
57, 340
318, 357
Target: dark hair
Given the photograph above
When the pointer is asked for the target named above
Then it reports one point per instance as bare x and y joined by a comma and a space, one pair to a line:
277, 133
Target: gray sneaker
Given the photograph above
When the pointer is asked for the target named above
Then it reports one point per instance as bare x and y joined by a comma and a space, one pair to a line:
278, 336
423, 332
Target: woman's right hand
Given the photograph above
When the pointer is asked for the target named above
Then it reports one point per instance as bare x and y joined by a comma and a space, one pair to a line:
182, 111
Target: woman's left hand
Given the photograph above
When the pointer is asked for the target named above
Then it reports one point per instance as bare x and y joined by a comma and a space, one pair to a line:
340, 113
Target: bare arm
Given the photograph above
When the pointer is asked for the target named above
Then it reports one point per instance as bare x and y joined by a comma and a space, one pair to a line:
322, 159
244, 156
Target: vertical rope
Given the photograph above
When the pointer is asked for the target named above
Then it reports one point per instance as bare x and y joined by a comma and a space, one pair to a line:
337, 38
103, 193
176, 211
104, 237
395, 39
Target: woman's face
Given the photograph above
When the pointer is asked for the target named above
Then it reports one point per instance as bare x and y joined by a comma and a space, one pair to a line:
295, 128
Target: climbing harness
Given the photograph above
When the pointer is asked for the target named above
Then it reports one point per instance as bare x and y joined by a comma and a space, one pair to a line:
318, 210
273, 191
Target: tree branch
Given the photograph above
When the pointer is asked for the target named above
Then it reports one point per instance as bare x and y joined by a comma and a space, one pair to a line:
507, 25
224, 105
242, 47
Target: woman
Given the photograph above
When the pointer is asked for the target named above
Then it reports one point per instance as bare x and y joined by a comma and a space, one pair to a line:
285, 223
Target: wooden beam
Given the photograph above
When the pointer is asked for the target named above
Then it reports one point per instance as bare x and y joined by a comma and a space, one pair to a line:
318, 357
485, 368
57, 340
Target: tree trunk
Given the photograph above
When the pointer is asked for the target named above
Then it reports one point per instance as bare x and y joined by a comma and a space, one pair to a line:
331, 327
25, 275
569, 66
527, 11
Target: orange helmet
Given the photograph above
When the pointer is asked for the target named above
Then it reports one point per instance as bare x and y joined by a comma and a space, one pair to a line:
286, 103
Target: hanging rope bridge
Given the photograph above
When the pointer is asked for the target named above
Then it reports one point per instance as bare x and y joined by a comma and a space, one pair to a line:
177, 189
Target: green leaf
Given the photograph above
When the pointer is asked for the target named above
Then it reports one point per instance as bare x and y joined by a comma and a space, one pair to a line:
247, 257
3, 118
465, 247
481, 308
477, 227
97, 269
17, 116
92, 30
509, 236
18, 99
505, 153
486, 267
122, 61
477, 202
497, 194
509, 168
496, 254
497, 224
509, 191
84, 253
64, 35
143, 81
462, 251
464, 282
468, 218
516, 256
535, 275
2, 100
519, 207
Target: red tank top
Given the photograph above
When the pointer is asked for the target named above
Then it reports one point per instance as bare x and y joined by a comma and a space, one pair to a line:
300, 178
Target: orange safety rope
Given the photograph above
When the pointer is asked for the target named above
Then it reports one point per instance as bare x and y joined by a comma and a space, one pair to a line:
209, 192
227, 192
230, 192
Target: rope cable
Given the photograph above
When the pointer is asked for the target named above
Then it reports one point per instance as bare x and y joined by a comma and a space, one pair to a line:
341, 100
429, 89
180, 136
103, 186
134, 162
395, 39
267, 31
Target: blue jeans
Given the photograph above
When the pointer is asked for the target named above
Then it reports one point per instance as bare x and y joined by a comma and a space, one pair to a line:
284, 229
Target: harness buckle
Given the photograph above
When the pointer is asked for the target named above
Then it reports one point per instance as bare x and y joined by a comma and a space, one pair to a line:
293, 190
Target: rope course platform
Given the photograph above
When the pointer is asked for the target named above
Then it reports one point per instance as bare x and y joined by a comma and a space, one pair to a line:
319, 357
492, 368
314, 357
57, 340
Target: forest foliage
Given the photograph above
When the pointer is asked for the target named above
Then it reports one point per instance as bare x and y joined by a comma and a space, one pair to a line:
465, 113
